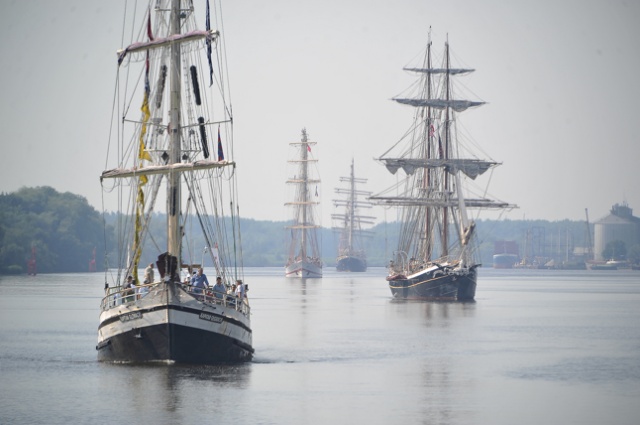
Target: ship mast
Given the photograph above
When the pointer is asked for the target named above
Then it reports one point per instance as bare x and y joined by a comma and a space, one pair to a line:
590, 246
428, 234
305, 193
352, 207
173, 196
351, 222
447, 127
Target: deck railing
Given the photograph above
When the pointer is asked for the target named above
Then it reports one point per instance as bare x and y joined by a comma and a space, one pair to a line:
118, 295
209, 296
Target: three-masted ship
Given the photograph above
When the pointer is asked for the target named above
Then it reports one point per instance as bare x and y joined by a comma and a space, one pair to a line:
304, 257
435, 257
351, 253
173, 153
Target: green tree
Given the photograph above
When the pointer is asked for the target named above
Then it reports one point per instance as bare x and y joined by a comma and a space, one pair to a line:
616, 250
62, 227
633, 255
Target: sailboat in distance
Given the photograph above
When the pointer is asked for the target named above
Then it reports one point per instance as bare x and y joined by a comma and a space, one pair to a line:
173, 153
304, 258
351, 254
435, 256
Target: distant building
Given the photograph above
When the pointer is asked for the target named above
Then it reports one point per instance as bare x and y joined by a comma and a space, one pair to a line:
619, 225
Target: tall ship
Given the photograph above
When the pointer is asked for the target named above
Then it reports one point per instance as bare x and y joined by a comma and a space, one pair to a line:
351, 254
304, 258
173, 178
435, 256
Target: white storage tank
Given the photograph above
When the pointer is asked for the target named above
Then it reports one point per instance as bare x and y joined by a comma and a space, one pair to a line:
620, 225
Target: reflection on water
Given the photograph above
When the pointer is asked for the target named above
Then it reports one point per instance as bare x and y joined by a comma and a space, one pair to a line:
171, 389
535, 347
589, 369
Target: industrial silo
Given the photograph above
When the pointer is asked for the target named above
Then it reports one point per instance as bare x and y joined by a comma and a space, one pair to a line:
619, 225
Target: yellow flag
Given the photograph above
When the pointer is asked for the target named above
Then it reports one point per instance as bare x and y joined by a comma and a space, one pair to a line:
143, 153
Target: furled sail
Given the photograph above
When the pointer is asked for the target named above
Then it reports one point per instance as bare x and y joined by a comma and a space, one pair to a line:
456, 105
472, 168
437, 202
163, 169
452, 71
165, 41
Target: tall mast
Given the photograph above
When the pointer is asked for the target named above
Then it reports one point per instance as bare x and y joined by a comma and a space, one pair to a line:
352, 207
173, 196
305, 193
350, 221
302, 236
427, 250
445, 210
590, 246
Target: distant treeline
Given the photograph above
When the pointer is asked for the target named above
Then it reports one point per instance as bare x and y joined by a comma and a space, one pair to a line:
60, 229
63, 232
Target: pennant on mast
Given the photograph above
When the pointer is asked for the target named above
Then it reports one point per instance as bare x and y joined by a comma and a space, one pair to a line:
220, 152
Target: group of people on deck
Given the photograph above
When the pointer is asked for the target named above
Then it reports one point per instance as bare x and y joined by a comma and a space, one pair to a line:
132, 290
199, 283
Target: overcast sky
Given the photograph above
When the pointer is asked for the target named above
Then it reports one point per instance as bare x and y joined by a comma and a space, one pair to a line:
560, 79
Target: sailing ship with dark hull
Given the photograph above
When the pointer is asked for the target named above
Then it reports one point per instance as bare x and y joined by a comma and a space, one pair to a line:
163, 157
435, 256
304, 258
351, 254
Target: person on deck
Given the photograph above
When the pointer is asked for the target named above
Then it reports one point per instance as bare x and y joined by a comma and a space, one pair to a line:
130, 289
219, 289
148, 274
239, 289
199, 281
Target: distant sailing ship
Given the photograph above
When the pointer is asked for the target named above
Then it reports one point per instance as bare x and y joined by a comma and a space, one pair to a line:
162, 157
435, 256
304, 258
351, 254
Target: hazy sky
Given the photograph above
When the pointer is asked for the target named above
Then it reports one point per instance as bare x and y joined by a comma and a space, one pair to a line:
560, 79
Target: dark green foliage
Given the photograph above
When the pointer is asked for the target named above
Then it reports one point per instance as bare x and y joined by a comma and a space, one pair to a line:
263, 243
62, 227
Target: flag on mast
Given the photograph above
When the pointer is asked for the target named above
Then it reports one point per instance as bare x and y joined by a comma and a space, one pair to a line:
220, 153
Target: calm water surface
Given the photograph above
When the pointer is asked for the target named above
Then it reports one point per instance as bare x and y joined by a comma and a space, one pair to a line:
537, 347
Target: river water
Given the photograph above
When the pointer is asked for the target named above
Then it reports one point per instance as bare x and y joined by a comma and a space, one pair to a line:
537, 347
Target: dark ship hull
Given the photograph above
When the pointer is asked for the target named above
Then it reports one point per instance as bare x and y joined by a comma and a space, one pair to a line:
173, 343
351, 264
439, 284
171, 324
